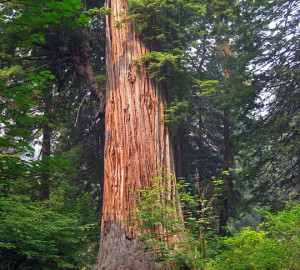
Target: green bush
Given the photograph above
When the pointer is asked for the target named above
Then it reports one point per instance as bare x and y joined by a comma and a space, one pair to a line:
39, 237
51, 234
273, 245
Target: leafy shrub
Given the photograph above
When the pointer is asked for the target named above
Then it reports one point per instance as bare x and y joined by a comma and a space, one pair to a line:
51, 234
274, 245
34, 236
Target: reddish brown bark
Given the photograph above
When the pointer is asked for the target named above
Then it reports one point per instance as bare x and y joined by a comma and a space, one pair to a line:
137, 142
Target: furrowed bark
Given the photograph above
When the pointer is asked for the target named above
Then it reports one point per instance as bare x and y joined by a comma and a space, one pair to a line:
137, 142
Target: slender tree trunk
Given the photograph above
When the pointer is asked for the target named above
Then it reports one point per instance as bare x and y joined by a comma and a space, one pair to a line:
184, 151
137, 142
185, 155
45, 178
179, 151
226, 156
178, 154
224, 197
200, 145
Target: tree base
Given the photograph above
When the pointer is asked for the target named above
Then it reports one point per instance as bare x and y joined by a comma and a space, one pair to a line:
118, 251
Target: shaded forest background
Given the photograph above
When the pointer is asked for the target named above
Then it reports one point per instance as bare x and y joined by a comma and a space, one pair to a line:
231, 71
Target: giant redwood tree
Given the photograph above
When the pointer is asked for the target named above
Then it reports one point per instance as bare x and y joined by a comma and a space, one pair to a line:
137, 141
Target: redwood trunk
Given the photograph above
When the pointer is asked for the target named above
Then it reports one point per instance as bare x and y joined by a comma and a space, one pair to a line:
137, 142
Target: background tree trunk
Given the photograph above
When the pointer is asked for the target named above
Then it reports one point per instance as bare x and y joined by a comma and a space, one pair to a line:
137, 142
226, 155
225, 193
46, 144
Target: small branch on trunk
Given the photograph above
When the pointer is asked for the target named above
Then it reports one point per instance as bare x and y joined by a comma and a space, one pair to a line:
78, 110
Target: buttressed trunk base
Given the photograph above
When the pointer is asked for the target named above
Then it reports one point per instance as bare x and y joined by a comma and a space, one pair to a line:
119, 251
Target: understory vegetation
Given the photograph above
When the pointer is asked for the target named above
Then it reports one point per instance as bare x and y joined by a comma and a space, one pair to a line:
273, 244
